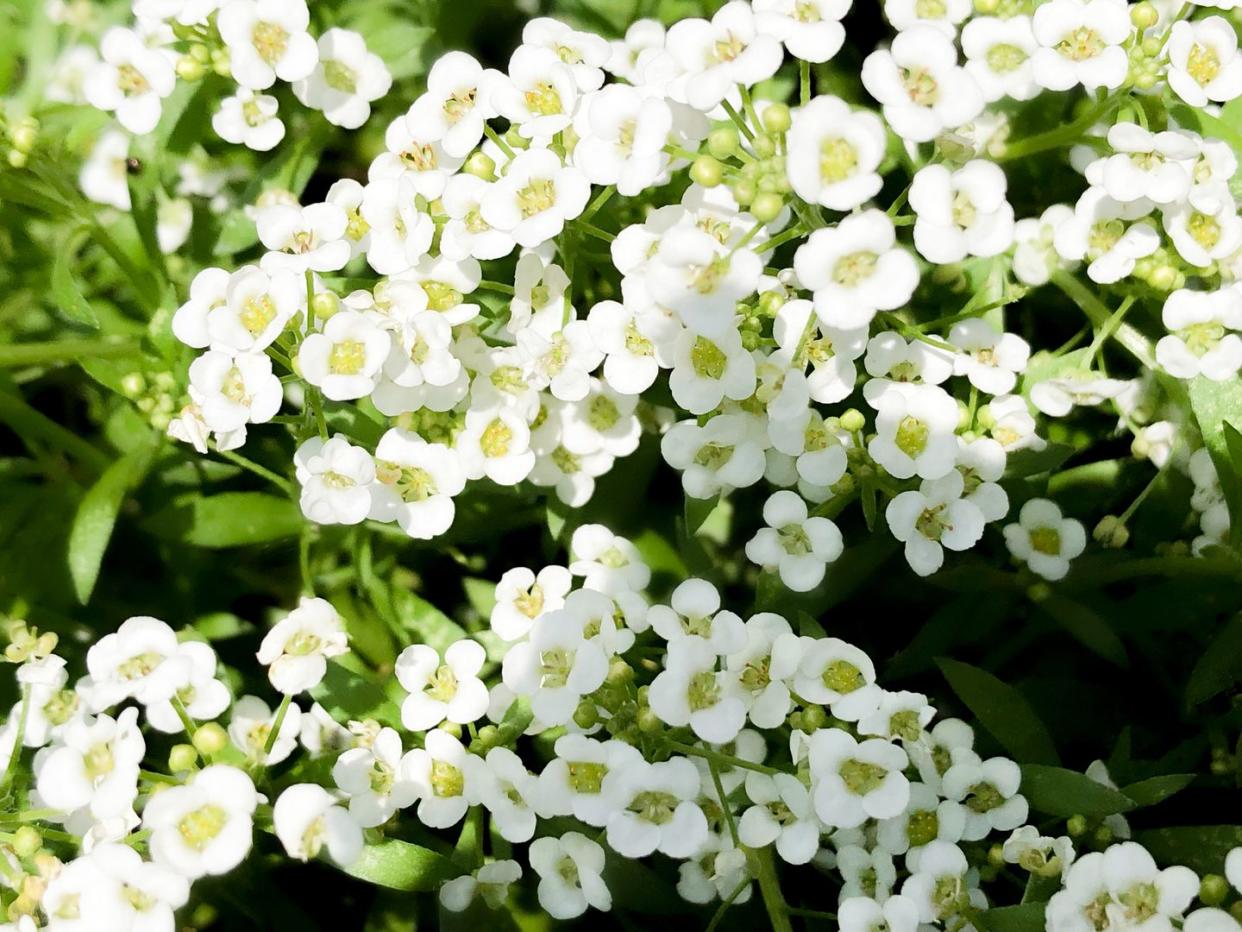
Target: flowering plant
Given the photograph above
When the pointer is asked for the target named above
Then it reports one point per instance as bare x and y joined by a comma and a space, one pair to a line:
461, 452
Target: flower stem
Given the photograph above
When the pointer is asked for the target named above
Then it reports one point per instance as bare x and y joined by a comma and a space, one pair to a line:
804, 80
725, 759
500, 143
738, 120
262, 471
17, 737
276, 723
186, 722
770, 887
1132, 340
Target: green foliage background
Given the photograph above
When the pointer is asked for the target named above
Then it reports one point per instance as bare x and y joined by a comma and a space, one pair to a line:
1134, 659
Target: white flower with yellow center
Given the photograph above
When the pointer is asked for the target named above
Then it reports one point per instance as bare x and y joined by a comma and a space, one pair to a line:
200, 693
1080, 43
782, 814
536, 197
725, 453
852, 781
1206, 234
833, 154
308, 819
572, 783
1204, 65
447, 779
1108, 234
654, 808
539, 95
607, 562
249, 119
495, 443
337, 480
1156, 166
570, 869
1044, 540
918, 82
253, 311
623, 133
345, 359
988, 792
834, 673
637, 342
915, 431
130, 664
926, 818
250, 729
796, 546
131, 80
204, 826
457, 103
810, 29
998, 56
377, 779
442, 690
555, 667
961, 212
490, 883
302, 239
522, 597
692, 692
346, 80
1035, 257
694, 611
232, 391
266, 40
92, 769
717, 55
1203, 338
701, 279
297, 649
990, 359
934, 518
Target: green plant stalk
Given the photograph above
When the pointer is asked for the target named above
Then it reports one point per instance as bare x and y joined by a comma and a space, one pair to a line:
62, 351
1100, 316
276, 723
770, 888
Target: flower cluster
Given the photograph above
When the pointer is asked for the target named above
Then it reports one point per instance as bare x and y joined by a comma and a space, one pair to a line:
680, 729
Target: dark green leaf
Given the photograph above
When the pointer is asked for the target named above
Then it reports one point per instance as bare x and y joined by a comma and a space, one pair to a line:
347, 694
1023, 463
1219, 667
399, 865
96, 517
1087, 627
1002, 710
66, 294
1157, 789
697, 511
1202, 848
1060, 792
1028, 917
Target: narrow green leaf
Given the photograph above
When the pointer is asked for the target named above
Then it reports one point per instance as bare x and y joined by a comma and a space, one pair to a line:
427, 623
96, 517
232, 519
1002, 710
1219, 667
66, 294
399, 865
697, 511
1023, 463
1157, 789
1060, 792
1027, 917
347, 694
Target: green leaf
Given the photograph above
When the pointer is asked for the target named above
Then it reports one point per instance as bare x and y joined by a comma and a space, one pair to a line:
1028, 917
1217, 406
232, 519
697, 511
1157, 789
1202, 848
1028, 462
1060, 792
96, 516
1219, 667
399, 865
427, 623
66, 294
347, 694
1087, 627
1002, 710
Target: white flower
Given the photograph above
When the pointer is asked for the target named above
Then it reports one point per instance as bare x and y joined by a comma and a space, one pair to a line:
623, 136
535, 198
249, 119
251, 724
717, 56
933, 518
346, 80
690, 691
855, 269
834, 153
556, 667
232, 391
104, 177
572, 783
1080, 43
990, 359
1012, 425
303, 238
439, 691
297, 649
765, 667
1204, 234
307, 819
253, 311
495, 443
344, 360
267, 39
1140, 889
854, 781
1156, 166
457, 103
834, 673
67, 84
961, 213
130, 664
509, 792
1108, 234
783, 814
988, 791
1044, 540
322, 734
636, 344
93, 767
377, 779
938, 885
891, 359
920, 86
540, 94
416, 156
569, 871
1203, 340
933, 755
1203, 61
701, 279
491, 883
725, 453
1057, 397
400, 233
901, 715
415, 484
715, 871
708, 370
926, 818
942, 16
522, 597
204, 826
130, 80
201, 695
998, 53
446, 777
336, 479
467, 234
797, 546
864, 914
1038, 854
810, 29
915, 427
1034, 256
653, 808
607, 562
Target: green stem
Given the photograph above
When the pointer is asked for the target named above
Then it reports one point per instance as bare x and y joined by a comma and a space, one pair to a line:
724, 802
770, 887
18, 737
304, 564
717, 757
1109, 328
600, 200
794, 232
1130, 339
728, 900
804, 81
153, 777
811, 913
738, 121
186, 722
595, 231
499, 287
500, 143
1064, 135
276, 723
251, 466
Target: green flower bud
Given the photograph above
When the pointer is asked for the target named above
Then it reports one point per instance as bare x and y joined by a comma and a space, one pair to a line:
1076, 826
723, 141
777, 118
1111, 532
813, 718
767, 207
853, 420
182, 757
451, 728
481, 165
764, 146
27, 841
745, 191
586, 715
1213, 889
706, 171
210, 739
648, 722
190, 68
1144, 15
325, 304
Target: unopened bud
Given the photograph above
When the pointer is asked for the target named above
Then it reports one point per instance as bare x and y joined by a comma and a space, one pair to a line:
182, 757
1213, 889
1111, 532
325, 304
776, 118
853, 420
210, 739
27, 841
481, 165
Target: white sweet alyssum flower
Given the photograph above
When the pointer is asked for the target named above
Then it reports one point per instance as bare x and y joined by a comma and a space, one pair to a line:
297, 649
1044, 540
